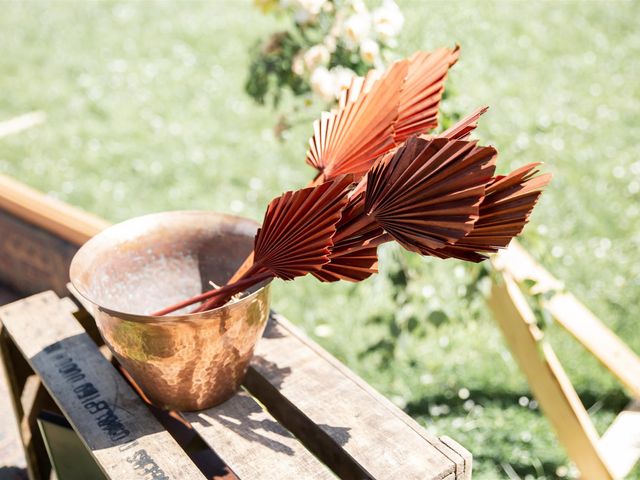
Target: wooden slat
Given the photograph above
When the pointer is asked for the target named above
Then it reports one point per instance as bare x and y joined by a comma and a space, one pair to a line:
547, 379
253, 444
264, 377
345, 422
612, 352
123, 436
32, 259
605, 345
63, 220
620, 445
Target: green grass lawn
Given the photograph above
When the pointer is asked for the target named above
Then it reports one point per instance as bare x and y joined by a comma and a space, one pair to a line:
146, 112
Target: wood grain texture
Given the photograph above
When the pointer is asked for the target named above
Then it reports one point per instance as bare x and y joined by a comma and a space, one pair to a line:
620, 444
339, 417
32, 259
547, 379
123, 436
65, 221
577, 319
253, 444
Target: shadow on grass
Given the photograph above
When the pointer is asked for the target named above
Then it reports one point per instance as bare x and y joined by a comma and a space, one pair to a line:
613, 401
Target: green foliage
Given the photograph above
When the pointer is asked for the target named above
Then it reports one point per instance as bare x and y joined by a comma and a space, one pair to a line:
270, 70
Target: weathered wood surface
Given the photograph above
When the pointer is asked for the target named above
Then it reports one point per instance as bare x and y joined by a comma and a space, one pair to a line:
59, 218
32, 259
573, 316
547, 379
284, 354
123, 436
253, 444
620, 444
343, 420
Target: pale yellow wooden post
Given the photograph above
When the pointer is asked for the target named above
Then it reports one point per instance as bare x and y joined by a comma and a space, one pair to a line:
547, 379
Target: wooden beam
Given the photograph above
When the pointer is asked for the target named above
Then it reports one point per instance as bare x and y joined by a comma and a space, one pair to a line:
65, 221
574, 317
547, 379
620, 444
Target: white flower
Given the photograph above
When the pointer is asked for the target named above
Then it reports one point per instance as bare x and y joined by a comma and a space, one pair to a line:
388, 20
306, 10
329, 84
330, 42
359, 6
369, 50
316, 56
357, 27
342, 77
297, 65
322, 84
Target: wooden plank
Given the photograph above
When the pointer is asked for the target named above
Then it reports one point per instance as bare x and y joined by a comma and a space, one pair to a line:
339, 417
607, 347
253, 444
21, 122
123, 436
547, 379
16, 381
620, 445
32, 259
61, 219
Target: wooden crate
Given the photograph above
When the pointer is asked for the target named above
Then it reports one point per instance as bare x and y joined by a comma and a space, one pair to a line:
301, 414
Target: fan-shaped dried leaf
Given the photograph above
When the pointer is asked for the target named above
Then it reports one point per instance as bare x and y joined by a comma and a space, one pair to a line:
375, 115
463, 128
296, 234
349, 138
422, 92
428, 193
504, 212
354, 253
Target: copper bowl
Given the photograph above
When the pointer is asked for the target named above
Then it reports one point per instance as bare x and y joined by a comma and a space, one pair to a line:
181, 361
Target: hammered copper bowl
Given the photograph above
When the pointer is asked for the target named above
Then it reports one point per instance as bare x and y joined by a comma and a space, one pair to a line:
181, 361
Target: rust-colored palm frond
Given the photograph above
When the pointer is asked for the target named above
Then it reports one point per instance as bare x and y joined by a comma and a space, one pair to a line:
504, 212
375, 116
354, 254
463, 128
427, 194
349, 138
296, 235
422, 92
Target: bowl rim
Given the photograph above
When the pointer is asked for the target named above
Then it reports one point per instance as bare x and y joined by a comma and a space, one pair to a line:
142, 318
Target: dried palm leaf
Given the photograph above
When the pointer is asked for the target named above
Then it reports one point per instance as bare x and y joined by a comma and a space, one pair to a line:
295, 238
347, 140
463, 128
422, 91
296, 235
377, 114
504, 211
354, 253
428, 193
